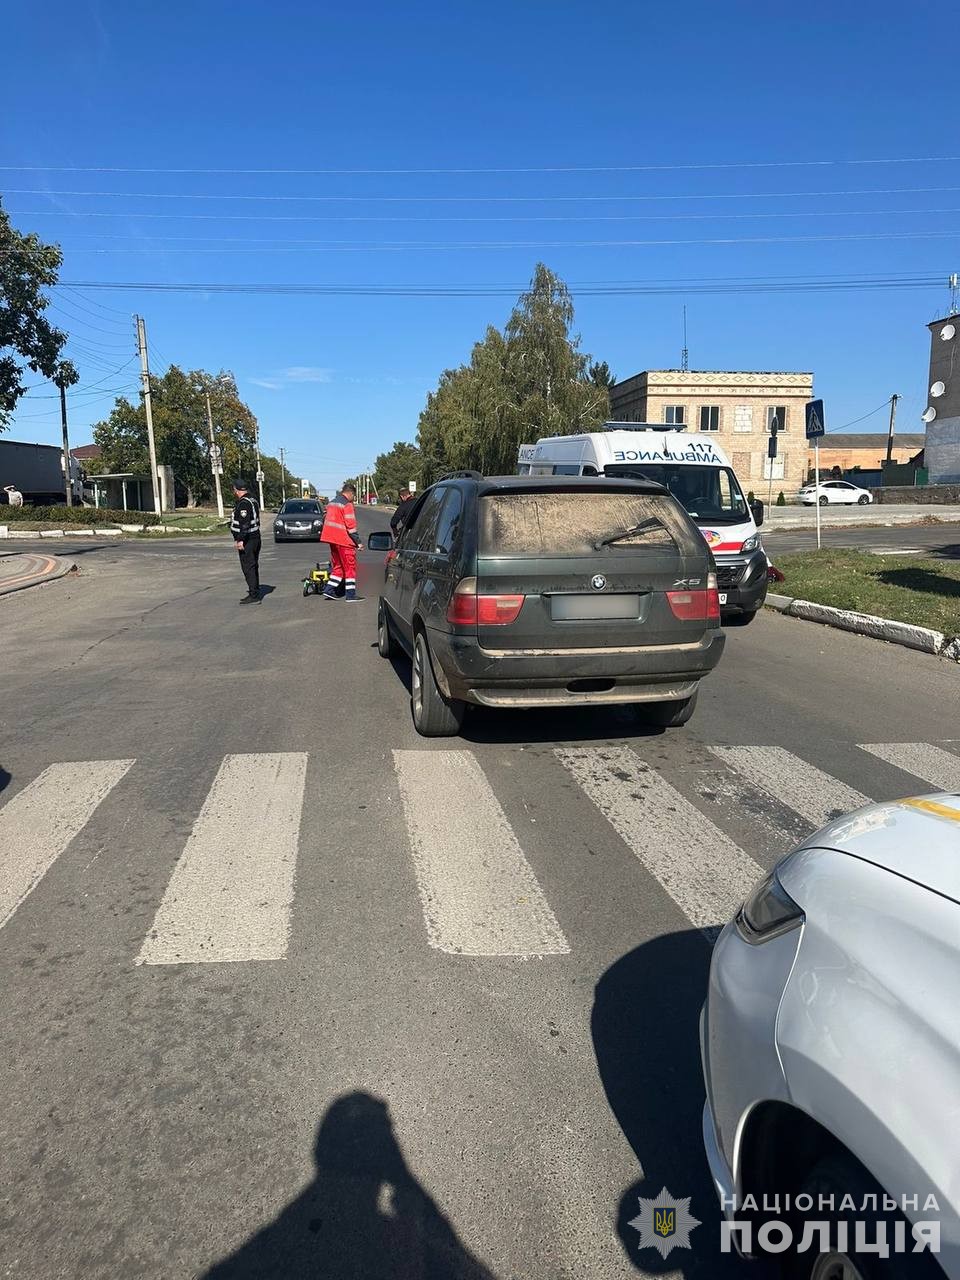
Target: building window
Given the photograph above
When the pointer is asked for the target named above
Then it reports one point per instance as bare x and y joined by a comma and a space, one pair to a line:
743, 418
709, 417
778, 411
777, 465
674, 415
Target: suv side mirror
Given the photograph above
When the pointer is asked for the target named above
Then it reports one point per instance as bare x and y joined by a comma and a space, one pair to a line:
756, 510
381, 541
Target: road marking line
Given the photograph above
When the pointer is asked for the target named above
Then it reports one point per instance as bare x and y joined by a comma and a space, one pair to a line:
479, 894
700, 867
802, 787
931, 806
231, 892
934, 765
38, 824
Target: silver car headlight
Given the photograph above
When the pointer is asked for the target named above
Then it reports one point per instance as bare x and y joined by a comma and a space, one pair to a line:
278, 524
318, 524
752, 543
768, 912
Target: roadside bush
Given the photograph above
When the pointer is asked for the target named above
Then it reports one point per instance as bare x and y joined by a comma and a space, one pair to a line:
75, 515
781, 500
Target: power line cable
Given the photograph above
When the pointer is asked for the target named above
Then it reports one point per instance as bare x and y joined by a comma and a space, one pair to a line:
481, 199
617, 168
541, 218
701, 285
429, 246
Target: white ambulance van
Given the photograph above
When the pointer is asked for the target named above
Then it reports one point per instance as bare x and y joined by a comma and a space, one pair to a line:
698, 474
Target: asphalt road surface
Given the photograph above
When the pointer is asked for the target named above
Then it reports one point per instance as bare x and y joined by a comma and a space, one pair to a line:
938, 540
241, 1035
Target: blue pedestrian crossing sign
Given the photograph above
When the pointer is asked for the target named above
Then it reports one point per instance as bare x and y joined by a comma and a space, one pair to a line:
814, 418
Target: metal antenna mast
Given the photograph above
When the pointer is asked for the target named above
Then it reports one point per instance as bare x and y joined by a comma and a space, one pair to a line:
684, 354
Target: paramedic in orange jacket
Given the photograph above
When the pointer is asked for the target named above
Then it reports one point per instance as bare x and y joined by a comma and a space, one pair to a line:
340, 532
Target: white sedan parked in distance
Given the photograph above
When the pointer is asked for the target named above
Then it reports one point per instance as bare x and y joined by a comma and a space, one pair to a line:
834, 491
831, 1050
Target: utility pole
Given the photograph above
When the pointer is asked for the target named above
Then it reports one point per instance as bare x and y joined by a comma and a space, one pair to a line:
216, 465
65, 376
283, 478
893, 418
67, 478
256, 437
148, 409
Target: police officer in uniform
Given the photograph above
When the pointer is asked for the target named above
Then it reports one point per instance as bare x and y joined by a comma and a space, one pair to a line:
245, 529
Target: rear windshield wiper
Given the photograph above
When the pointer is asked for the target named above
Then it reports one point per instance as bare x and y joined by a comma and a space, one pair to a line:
654, 522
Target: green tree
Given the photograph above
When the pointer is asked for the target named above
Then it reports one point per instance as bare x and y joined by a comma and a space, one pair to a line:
600, 375
27, 339
554, 394
181, 433
530, 380
395, 469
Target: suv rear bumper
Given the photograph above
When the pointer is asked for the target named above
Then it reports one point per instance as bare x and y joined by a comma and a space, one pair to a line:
570, 677
744, 581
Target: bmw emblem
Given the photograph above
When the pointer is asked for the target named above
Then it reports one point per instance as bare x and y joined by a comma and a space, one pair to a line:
598, 582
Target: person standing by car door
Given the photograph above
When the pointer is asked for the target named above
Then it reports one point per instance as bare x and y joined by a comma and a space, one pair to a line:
245, 530
340, 533
399, 517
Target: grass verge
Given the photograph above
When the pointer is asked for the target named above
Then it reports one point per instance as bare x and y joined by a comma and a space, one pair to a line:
914, 589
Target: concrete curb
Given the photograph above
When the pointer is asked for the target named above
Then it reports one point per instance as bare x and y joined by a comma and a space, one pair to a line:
32, 570
866, 624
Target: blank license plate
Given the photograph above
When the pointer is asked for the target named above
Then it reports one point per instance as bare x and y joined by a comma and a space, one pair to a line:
723, 597
567, 608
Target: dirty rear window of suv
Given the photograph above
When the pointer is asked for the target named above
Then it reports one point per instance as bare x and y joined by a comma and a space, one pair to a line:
569, 524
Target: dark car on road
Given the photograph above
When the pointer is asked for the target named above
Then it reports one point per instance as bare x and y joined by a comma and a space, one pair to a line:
559, 591
299, 519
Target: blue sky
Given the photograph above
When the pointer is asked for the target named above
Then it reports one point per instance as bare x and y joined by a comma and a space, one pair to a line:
759, 91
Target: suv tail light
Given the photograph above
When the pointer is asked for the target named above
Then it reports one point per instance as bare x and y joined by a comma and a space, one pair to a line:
467, 609
696, 606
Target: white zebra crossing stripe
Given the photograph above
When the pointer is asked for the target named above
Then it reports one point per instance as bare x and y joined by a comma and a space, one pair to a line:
802, 787
700, 867
37, 825
231, 892
478, 892
934, 765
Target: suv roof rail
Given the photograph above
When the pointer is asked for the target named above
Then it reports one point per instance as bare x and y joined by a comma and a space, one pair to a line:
462, 475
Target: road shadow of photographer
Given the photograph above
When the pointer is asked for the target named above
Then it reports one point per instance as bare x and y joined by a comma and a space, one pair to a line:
645, 1027
363, 1217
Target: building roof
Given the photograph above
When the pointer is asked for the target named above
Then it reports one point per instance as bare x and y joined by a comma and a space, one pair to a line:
86, 451
871, 440
729, 377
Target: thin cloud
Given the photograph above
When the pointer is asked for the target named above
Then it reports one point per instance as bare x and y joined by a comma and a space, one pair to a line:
307, 373
295, 374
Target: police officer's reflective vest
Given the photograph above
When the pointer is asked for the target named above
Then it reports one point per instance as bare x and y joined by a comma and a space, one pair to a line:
246, 518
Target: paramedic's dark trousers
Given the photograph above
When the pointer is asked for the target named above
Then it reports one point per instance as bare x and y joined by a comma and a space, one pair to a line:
250, 562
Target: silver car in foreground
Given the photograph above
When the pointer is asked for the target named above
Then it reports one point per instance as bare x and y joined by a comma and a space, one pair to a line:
831, 1051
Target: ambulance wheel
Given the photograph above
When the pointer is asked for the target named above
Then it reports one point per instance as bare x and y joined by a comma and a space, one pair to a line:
434, 716
669, 715
386, 645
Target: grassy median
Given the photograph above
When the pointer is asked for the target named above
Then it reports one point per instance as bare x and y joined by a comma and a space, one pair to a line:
915, 589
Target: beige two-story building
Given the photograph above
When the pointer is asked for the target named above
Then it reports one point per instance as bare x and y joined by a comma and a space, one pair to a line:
736, 407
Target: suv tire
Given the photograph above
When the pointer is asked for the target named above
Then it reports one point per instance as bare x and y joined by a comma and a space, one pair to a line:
669, 715
740, 619
838, 1175
434, 716
386, 645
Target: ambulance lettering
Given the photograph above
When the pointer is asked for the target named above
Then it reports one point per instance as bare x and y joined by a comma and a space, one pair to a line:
690, 453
